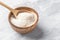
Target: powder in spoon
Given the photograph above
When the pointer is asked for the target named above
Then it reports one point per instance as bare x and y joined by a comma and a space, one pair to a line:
23, 19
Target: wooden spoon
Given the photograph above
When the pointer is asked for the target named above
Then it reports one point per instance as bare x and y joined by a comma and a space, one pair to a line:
14, 11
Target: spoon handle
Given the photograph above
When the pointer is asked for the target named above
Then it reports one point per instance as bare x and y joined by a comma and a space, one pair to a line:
6, 6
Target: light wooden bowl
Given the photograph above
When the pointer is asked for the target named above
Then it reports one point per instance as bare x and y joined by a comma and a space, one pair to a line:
25, 29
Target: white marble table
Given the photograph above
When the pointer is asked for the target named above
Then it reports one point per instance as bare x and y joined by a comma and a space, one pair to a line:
48, 27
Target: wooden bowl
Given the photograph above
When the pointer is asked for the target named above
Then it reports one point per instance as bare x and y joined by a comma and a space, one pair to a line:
25, 29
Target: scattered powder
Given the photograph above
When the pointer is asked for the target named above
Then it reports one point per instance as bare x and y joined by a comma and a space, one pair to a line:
23, 19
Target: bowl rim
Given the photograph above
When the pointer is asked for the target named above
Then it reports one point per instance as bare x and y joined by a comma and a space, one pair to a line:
26, 8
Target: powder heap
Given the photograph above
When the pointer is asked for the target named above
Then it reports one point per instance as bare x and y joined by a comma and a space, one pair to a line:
23, 19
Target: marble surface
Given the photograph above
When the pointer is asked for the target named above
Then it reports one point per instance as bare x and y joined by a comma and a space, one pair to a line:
48, 27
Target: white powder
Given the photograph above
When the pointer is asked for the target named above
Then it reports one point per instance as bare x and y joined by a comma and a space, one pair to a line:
23, 19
